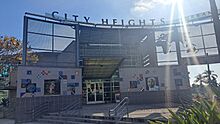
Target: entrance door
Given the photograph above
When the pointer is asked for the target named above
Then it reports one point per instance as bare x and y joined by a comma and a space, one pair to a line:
95, 92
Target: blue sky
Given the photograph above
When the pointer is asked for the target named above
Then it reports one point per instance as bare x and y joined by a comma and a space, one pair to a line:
12, 11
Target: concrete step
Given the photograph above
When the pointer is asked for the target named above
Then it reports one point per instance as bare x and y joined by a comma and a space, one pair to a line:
55, 121
35, 122
103, 118
84, 119
80, 116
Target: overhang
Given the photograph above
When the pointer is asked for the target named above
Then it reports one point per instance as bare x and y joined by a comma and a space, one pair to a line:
100, 67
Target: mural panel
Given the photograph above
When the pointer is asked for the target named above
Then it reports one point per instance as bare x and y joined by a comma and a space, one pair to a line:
52, 87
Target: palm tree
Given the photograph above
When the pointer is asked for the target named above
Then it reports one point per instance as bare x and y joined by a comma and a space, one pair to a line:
200, 79
207, 77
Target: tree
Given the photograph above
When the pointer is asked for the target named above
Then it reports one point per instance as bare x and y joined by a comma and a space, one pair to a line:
207, 77
11, 55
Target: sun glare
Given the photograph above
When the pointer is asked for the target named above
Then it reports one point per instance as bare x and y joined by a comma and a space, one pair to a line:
184, 29
167, 68
184, 32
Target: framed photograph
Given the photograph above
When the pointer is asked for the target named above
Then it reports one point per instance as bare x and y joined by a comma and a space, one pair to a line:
52, 87
152, 84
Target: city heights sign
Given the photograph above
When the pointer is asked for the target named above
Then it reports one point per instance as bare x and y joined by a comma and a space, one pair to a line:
130, 22
86, 19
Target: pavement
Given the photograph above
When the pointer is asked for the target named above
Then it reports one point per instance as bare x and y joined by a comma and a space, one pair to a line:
158, 111
6, 121
11, 121
135, 111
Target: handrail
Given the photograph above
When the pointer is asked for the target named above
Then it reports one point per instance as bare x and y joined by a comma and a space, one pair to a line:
8, 113
73, 106
185, 101
39, 110
118, 111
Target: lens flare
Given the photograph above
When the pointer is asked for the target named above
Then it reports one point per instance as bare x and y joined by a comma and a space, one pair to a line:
167, 68
185, 31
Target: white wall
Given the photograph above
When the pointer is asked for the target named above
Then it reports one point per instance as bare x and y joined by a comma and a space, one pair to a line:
165, 74
40, 74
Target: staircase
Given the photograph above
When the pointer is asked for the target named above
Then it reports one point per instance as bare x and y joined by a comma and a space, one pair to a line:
120, 110
71, 114
56, 118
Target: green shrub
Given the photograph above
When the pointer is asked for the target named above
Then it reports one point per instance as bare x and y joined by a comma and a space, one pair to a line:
201, 112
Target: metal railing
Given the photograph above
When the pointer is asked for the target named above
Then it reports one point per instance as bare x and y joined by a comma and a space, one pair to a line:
73, 108
39, 110
9, 113
185, 100
120, 109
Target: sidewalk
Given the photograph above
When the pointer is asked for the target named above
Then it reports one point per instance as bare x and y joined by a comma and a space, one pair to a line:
6, 121
10, 121
135, 111
156, 111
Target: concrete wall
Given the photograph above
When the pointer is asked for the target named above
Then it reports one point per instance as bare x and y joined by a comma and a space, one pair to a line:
63, 59
56, 103
165, 77
159, 97
47, 59
67, 57
48, 81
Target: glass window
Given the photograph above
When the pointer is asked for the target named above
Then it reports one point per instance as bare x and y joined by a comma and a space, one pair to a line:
116, 89
63, 30
167, 63
107, 95
196, 42
212, 51
199, 52
39, 41
62, 43
194, 30
106, 84
107, 89
208, 28
210, 41
167, 57
39, 27
159, 49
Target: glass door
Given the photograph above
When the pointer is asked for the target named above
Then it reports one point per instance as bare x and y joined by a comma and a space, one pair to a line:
95, 92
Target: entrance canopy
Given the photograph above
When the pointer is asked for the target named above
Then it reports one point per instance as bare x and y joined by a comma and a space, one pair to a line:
101, 67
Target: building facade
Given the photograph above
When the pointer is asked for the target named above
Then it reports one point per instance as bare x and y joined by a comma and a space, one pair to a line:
103, 63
